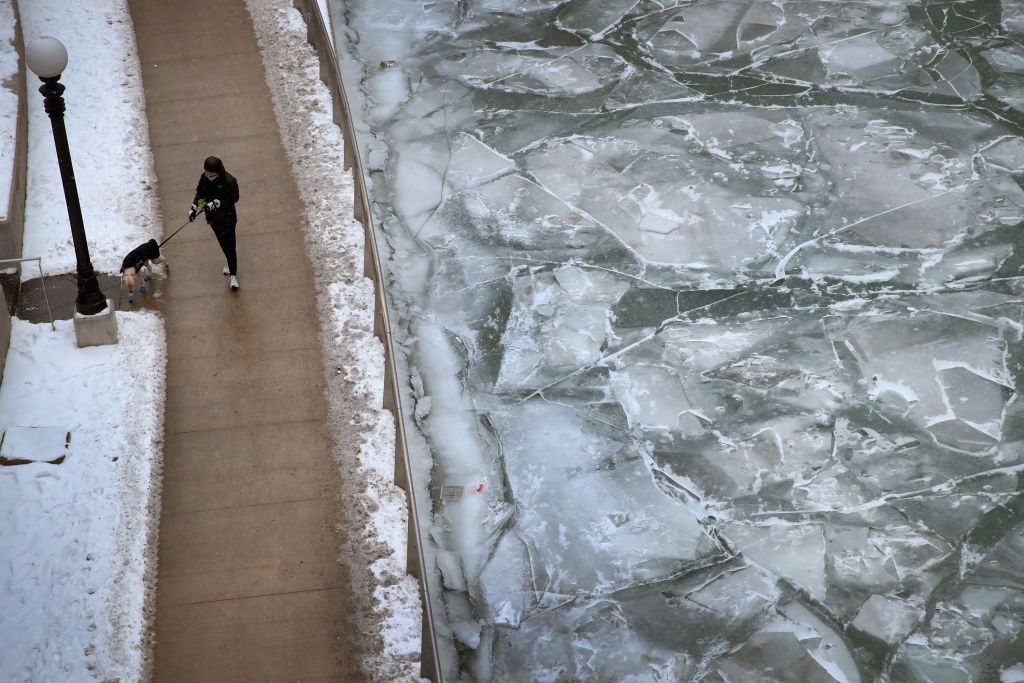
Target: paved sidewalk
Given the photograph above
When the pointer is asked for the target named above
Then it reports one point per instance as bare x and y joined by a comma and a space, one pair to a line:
249, 583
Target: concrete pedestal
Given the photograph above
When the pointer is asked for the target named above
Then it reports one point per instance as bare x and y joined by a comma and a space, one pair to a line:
96, 330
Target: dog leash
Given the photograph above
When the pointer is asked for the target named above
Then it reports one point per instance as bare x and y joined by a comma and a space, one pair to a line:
184, 225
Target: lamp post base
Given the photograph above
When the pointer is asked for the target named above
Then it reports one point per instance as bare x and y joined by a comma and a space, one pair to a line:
96, 330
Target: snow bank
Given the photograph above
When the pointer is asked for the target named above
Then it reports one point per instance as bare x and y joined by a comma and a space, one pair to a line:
79, 538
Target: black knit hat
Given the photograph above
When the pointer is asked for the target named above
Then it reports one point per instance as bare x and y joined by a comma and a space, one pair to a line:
213, 164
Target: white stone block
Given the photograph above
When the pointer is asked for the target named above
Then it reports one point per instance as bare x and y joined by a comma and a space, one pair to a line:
96, 330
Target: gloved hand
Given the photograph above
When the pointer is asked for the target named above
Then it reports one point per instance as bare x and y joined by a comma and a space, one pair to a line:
213, 206
192, 213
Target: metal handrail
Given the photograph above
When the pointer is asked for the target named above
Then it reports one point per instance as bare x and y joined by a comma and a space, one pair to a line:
39, 262
317, 34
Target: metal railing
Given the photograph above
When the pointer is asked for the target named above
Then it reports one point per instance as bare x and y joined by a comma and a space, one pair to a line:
39, 262
319, 37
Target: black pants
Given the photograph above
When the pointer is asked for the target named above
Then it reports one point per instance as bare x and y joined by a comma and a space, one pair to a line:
226, 239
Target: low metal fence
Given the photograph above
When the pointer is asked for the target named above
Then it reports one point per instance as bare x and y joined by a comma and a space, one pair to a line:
42, 278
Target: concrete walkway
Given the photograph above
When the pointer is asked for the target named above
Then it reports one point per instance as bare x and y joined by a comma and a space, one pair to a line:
249, 583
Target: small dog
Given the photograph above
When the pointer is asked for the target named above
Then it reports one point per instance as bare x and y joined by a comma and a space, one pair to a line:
142, 257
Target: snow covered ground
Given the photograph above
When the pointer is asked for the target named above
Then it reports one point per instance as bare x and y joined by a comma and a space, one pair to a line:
78, 539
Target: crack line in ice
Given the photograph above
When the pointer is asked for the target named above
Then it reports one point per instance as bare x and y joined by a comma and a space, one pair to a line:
965, 285
945, 487
589, 416
447, 166
774, 81
940, 364
949, 81
590, 266
780, 269
615, 354
995, 114
761, 62
529, 263
612, 234
537, 66
610, 27
655, 64
966, 29
512, 274
662, 9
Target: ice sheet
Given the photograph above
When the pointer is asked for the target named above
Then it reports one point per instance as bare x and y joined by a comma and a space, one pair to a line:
730, 297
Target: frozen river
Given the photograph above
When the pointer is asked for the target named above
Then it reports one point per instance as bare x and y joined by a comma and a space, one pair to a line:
710, 322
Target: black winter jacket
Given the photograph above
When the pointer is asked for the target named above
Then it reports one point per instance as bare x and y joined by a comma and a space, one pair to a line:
225, 188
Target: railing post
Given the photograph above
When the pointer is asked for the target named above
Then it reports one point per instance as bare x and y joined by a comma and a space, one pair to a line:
388, 402
325, 72
412, 555
401, 476
349, 157
338, 116
378, 322
368, 266
428, 658
357, 200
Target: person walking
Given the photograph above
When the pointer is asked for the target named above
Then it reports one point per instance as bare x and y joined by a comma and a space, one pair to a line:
219, 190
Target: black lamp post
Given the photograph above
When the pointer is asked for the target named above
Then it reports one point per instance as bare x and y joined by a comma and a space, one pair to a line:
47, 58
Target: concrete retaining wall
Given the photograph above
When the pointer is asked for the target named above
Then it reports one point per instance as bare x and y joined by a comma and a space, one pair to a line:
12, 227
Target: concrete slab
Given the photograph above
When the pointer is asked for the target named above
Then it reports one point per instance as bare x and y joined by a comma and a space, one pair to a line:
261, 151
60, 293
169, 44
177, 119
193, 337
189, 16
224, 390
293, 637
193, 77
229, 468
206, 40
241, 552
